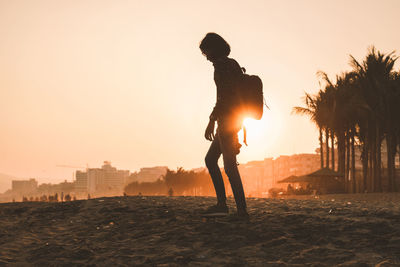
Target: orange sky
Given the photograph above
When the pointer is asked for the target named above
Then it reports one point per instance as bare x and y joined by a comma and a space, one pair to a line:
86, 81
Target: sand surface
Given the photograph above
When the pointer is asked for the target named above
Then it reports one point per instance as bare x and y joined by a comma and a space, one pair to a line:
333, 230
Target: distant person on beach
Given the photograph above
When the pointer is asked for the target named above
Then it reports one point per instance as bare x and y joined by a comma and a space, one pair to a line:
227, 73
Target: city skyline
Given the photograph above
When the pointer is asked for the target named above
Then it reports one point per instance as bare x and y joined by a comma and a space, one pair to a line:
146, 174
107, 180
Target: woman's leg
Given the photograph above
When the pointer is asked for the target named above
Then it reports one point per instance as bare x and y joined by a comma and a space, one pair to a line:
230, 147
212, 157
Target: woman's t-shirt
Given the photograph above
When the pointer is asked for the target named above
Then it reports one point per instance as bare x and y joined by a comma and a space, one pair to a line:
227, 73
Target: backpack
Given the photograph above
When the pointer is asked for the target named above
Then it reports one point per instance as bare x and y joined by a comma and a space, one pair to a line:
250, 96
251, 99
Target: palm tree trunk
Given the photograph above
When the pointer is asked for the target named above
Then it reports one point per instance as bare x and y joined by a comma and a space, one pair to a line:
349, 178
364, 159
341, 145
327, 147
395, 184
378, 162
333, 149
396, 143
379, 158
321, 147
346, 187
353, 162
372, 164
391, 157
390, 161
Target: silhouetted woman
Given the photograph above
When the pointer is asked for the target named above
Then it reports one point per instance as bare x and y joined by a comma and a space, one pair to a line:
227, 73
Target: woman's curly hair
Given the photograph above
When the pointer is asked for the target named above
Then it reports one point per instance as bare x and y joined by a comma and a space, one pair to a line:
215, 44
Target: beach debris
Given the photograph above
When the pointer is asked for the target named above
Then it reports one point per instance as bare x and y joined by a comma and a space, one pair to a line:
333, 200
330, 211
383, 263
348, 203
110, 224
101, 200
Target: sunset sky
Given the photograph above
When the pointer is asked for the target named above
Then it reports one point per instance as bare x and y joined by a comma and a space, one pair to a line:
86, 81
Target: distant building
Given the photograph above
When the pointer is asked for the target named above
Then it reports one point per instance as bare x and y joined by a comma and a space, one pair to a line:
65, 187
105, 179
24, 186
151, 174
259, 176
81, 182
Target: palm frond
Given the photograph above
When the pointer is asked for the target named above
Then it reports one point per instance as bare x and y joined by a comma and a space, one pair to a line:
302, 111
322, 75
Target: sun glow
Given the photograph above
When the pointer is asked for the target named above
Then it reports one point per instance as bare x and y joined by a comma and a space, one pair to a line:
262, 135
252, 125
256, 129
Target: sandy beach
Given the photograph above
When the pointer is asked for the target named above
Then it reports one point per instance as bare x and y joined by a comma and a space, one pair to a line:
331, 230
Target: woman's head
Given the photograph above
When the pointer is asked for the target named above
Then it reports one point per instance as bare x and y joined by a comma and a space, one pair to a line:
213, 46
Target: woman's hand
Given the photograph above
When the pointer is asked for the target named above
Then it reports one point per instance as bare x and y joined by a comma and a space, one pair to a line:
209, 134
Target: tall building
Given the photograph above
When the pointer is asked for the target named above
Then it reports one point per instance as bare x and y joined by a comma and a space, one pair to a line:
151, 174
81, 182
24, 186
106, 179
257, 176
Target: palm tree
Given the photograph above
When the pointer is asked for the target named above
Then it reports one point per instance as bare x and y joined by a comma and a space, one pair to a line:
360, 108
374, 75
325, 109
392, 98
313, 104
342, 122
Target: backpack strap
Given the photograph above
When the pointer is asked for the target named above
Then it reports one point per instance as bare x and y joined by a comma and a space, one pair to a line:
265, 103
244, 135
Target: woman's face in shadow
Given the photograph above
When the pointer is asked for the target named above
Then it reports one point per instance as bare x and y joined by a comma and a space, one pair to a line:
208, 54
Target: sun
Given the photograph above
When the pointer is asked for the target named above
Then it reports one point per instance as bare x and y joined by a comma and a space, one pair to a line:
252, 125
263, 132
255, 130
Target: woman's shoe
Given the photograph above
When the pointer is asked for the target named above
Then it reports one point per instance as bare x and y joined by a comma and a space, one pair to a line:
216, 209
